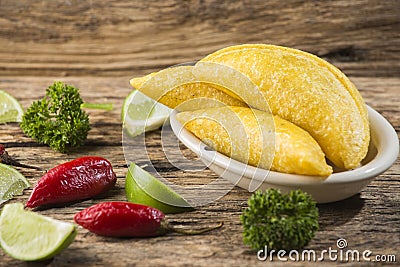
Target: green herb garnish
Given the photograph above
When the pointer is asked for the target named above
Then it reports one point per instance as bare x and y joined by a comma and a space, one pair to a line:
279, 221
58, 119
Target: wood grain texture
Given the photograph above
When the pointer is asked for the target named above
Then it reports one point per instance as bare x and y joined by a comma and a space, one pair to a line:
127, 38
99, 45
367, 221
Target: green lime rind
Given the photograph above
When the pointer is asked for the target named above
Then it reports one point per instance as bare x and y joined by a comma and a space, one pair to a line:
10, 109
143, 188
29, 236
127, 102
12, 183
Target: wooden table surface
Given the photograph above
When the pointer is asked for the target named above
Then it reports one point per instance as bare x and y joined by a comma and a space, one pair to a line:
99, 45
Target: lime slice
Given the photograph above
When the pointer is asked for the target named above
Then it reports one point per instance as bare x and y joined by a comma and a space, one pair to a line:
143, 188
10, 109
141, 114
12, 183
28, 236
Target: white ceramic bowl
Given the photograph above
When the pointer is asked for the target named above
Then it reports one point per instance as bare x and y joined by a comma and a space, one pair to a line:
383, 152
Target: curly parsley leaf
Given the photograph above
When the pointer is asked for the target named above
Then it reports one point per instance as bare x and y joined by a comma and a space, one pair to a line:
57, 120
279, 221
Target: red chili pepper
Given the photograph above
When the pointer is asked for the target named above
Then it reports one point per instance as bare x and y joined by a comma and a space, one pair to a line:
79, 179
126, 219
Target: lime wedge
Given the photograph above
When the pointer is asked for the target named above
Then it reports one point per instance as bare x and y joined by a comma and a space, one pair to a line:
28, 236
143, 188
12, 183
141, 114
10, 109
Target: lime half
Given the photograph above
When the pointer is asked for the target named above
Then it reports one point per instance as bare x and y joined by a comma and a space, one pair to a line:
12, 183
10, 109
28, 236
143, 188
141, 114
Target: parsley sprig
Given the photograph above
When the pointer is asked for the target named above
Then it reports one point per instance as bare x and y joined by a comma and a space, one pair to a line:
58, 119
279, 221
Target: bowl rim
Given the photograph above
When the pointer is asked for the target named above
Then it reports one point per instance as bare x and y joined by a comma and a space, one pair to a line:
383, 136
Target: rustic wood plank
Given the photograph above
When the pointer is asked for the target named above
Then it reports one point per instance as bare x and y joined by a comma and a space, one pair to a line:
368, 220
115, 38
79, 41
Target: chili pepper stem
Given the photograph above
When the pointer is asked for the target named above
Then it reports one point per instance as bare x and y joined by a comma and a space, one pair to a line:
167, 227
7, 159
